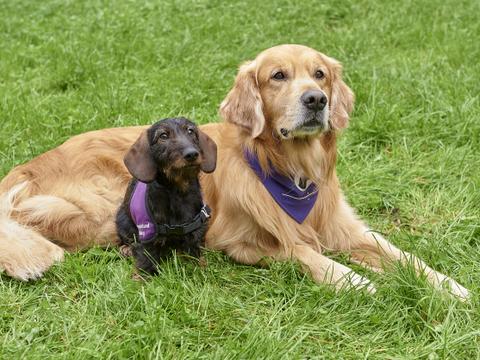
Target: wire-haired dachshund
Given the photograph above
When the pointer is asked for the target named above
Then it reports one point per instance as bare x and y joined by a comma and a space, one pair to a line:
163, 208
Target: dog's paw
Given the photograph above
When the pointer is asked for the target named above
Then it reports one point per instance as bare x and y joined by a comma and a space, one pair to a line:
136, 276
125, 250
359, 282
202, 262
443, 282
457, 290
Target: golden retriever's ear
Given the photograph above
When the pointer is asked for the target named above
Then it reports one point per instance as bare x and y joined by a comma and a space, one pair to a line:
342, 97
209, 153
243, 105
139, 161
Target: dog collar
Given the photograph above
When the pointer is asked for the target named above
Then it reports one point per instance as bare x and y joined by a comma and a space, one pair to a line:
149, 229
296, 202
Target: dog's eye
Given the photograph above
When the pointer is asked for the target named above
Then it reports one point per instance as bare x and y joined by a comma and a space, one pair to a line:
319, 74
279, 75
190, 131
163, 136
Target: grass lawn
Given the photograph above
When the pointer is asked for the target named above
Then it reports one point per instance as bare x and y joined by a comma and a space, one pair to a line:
409, 163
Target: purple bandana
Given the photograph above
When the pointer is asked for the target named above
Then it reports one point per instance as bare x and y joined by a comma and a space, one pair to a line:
294, 201
140, 214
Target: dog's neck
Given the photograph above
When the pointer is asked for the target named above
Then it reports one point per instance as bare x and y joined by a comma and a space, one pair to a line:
312, 158
183, 181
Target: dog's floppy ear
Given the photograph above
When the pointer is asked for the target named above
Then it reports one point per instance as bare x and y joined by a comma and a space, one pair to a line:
342, 97
139, 161
243, 105
209, 152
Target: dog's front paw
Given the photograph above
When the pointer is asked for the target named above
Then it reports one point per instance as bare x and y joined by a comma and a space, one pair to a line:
125, 250
443, 282
457, 290
202, 262
136, 276
361, 282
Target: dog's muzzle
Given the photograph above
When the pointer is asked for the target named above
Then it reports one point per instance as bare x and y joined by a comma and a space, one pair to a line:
315, 114
313, 118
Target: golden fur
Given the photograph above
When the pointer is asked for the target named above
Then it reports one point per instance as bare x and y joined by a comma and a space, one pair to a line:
70, 194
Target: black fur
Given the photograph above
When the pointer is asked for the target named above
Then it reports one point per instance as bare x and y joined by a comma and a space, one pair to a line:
171, 200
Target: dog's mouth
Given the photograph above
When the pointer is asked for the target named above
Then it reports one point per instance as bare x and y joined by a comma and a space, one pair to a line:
188, 168
312, 125
184, 168
182, 173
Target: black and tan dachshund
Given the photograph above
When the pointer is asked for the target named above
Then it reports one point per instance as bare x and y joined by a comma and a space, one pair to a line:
163, 209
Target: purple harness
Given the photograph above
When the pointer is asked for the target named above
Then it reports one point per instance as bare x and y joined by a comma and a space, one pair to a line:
148, 229
294, 201
140, 212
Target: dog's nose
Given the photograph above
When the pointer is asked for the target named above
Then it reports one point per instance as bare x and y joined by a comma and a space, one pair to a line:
314, 99
190, 155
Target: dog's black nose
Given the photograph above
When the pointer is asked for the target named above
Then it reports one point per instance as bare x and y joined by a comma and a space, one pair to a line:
314, 99
190, 155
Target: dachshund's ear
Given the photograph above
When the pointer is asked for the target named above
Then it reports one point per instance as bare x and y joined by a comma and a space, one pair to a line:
341, 98
209, 152
139, 161
243, 105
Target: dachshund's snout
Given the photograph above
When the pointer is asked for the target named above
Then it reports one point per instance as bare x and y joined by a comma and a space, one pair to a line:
190, 155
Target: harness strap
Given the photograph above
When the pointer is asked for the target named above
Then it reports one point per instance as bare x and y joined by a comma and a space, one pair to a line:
186, 228
148, 229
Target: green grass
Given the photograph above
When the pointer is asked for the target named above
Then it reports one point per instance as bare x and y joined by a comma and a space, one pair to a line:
410, 164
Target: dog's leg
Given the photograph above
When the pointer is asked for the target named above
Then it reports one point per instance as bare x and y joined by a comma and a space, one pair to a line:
147, 257
73, 226
327, 271
237, 240
244, 246
371, 250
322, 269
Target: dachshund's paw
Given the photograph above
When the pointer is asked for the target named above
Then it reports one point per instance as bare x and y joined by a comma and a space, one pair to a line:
125, 250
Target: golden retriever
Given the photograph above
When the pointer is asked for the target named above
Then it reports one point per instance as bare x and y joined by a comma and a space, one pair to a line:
286, 107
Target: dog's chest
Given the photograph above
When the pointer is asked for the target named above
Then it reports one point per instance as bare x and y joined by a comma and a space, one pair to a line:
158, 210
177, 213
174, 207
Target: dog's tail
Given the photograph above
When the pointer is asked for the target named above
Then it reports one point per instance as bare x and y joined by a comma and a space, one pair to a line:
7, 199
24, 253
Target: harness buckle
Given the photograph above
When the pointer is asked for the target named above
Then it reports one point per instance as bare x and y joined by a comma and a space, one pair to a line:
205, 211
